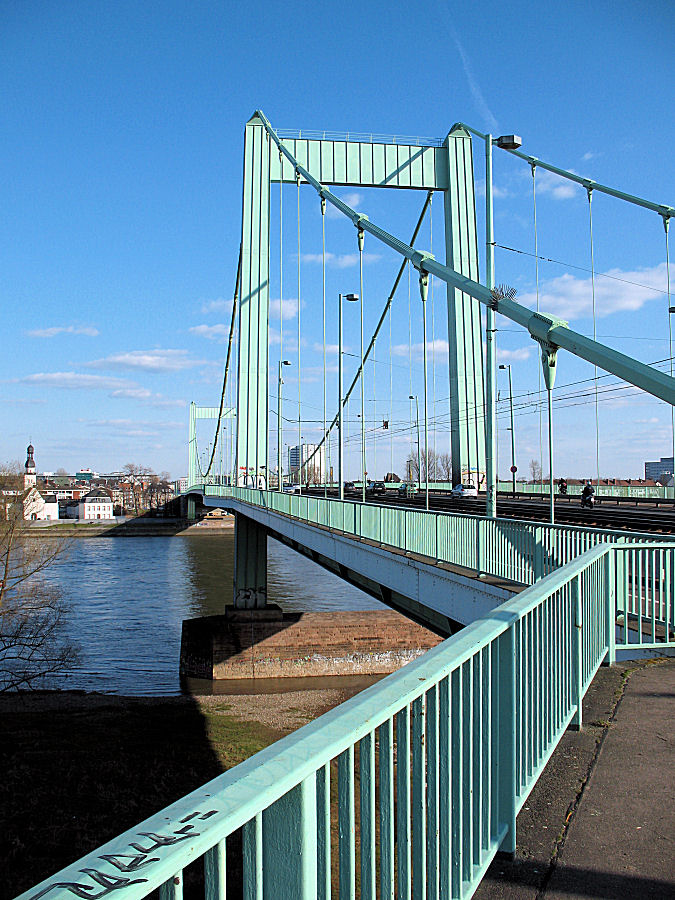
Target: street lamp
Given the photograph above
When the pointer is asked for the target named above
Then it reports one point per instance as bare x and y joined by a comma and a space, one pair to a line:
513, 437
419, 458
352, 298
282, 362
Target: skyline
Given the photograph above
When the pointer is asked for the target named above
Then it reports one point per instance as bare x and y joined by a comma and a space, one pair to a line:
122, 211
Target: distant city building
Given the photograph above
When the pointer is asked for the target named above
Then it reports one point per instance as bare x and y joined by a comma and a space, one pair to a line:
664, 466
37, 508
97, 504
316, 468
181, 485
85, 475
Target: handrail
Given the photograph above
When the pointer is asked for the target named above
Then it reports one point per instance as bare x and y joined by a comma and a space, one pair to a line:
196, 824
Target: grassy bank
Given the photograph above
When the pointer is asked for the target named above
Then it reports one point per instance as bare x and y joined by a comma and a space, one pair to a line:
79, 769
75, 777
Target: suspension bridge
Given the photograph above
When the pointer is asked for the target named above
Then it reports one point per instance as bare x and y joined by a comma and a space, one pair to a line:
425, 772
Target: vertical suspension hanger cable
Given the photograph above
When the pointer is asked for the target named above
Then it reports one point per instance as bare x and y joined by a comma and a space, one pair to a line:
671, 310
323, 276
433, 338
297, 181
391, 396
589, 192
536, 278
410, 385
363, 386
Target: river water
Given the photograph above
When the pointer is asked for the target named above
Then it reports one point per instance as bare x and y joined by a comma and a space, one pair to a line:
129, 596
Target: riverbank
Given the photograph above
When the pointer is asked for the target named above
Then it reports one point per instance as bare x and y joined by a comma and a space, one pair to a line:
140, 527
80, 768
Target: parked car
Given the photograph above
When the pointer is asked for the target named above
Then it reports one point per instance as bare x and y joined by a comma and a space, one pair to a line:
465, 490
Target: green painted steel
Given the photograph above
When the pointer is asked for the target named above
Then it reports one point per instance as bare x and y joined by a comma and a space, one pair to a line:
475, 721
201, 412
252, 425
550, 332
447, 168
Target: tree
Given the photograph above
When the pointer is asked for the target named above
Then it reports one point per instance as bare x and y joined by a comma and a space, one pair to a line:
445, 467
137, 476
535, 470
33, 613
433, 468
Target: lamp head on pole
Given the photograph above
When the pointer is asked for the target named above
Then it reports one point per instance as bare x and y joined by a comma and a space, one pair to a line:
285, 362
508, 141
352, 298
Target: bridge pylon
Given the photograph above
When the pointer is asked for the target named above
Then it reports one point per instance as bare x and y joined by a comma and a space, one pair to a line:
445, 166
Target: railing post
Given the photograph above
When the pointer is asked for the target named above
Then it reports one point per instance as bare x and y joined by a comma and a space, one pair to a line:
576, 651
289, 848
505, 736
538, 552
480, 549
610, 604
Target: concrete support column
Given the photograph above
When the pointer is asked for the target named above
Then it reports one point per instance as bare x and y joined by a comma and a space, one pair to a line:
250, 564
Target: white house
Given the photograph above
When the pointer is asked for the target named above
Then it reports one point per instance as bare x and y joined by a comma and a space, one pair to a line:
97, 504
37, 508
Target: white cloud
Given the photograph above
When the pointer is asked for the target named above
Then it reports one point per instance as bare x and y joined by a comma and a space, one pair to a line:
571, 298
146, 396
87, 330
438, 349
340, 260
289, 305
74, 381
216, 305
548, 183
219, 332
518, 355
148, 361
588, 155
474, 87
353, 199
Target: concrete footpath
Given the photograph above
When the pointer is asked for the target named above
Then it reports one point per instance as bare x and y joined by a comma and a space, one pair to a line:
600, 822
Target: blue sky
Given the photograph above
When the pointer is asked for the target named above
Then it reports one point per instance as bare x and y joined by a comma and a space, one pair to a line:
122, 127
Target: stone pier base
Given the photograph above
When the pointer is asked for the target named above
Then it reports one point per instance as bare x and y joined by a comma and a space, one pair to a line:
268, 643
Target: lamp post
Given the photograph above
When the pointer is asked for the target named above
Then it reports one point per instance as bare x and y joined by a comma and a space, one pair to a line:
513, 435
341, 448
280, 478
419, 456
505, 142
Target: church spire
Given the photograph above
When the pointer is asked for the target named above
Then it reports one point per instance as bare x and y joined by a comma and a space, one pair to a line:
29, 479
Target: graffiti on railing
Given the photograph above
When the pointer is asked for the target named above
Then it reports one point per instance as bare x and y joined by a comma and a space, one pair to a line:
138, 860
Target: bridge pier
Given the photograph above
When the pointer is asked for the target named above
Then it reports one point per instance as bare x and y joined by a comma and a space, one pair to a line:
250, 563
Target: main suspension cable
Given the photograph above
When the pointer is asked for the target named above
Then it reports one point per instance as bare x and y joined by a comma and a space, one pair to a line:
225, 374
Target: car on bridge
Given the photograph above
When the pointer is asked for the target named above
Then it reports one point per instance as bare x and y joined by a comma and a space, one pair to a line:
407, 489
291, 489
468, 489
375, 487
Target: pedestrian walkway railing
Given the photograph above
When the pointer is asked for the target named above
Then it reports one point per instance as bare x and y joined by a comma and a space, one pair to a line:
513, 550
412, 786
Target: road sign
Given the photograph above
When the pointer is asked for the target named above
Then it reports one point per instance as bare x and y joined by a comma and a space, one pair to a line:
514, 469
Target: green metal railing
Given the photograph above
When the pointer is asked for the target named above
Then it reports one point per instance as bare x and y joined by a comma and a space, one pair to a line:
504, 548
414, 784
